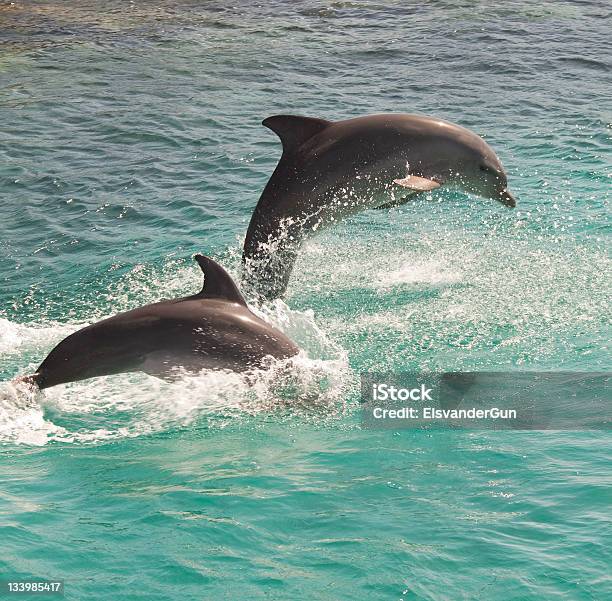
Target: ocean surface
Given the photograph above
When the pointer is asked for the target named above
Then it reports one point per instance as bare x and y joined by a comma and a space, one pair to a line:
131, 138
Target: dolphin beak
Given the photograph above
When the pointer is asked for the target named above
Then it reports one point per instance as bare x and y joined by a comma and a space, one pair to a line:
507, 199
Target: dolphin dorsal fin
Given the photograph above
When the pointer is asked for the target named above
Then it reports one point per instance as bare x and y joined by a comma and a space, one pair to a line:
217, 282
294, 130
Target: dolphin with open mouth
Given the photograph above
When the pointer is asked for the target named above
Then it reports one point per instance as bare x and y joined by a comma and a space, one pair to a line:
331, 170
213, 329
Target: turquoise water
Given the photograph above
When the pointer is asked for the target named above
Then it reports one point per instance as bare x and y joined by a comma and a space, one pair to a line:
131, 139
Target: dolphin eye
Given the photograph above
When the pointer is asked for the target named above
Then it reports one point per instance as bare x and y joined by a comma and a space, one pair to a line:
484, 168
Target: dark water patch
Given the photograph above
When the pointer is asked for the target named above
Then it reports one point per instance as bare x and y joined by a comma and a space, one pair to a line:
298, 28
582, 62
326, 12
377, 53
47, 25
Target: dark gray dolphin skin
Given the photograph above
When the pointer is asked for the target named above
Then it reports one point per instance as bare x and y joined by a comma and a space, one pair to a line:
213, 329
330, 170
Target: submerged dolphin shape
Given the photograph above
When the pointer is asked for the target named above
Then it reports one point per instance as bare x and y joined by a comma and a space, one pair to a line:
213, 329
330, 170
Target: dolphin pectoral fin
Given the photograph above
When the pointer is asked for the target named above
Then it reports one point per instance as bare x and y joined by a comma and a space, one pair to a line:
398, 202
414, 182
415, 185
293, 130
217, 282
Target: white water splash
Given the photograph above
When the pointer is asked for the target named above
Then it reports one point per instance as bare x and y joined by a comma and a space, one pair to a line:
421, 272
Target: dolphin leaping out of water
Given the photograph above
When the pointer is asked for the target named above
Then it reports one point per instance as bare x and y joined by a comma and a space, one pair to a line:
213, 329
330, 170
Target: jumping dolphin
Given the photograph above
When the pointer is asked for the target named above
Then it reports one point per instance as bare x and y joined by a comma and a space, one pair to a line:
330, 170
213, 329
